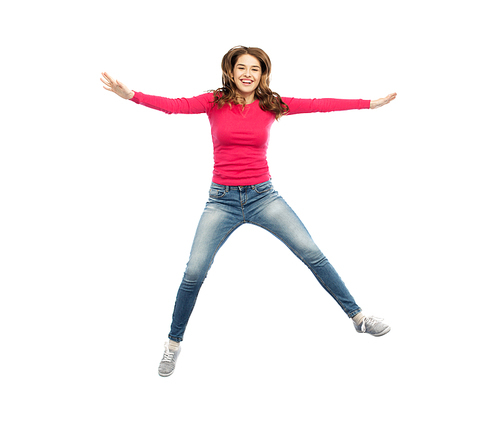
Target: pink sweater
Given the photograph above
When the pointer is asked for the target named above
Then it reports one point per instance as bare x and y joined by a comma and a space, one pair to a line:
241, 138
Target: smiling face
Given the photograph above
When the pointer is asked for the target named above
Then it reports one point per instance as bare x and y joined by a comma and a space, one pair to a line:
246, 75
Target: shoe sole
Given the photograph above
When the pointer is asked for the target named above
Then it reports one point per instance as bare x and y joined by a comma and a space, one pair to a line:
384, 332
387, 330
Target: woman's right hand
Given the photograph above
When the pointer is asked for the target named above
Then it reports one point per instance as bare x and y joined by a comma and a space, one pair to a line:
117, 87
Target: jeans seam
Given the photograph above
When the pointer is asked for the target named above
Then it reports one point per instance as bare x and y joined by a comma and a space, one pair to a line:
305, 263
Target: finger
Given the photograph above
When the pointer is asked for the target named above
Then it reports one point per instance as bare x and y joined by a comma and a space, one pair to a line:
111, 80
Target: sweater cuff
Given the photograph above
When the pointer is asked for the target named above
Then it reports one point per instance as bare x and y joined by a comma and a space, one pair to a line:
136, 97
365, 104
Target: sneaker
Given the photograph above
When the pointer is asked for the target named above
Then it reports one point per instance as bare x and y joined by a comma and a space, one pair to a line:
167, 364
372, 325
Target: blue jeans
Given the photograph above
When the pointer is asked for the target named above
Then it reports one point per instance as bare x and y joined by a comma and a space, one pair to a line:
228, 208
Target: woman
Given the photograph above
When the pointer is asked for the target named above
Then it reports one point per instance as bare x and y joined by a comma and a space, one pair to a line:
241, 113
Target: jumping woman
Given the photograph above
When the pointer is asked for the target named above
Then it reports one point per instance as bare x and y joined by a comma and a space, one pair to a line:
241, 113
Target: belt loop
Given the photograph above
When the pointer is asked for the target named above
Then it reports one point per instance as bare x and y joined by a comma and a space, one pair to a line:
227, 189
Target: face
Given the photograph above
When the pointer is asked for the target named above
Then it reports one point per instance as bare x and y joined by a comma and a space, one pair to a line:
247, 74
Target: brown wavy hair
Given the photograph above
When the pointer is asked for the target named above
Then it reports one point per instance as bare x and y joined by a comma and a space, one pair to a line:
228, 93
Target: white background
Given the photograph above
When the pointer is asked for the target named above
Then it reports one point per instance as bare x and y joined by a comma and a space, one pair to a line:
100, 199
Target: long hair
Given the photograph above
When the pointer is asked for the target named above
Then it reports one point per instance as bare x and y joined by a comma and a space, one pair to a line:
228, 93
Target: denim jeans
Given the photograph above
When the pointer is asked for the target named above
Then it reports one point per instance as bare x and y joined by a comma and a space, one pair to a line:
228, 208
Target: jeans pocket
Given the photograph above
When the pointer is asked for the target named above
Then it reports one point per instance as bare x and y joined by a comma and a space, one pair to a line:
261, 188
216, 192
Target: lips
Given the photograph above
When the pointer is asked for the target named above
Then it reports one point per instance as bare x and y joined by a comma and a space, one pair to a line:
246, 81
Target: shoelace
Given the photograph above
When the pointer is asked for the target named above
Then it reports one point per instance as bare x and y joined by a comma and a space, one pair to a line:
369, 321
168, 356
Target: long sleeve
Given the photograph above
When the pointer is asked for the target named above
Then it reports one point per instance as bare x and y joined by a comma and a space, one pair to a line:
194, 105
309, 105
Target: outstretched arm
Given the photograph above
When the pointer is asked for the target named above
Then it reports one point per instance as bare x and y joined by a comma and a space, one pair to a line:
194, 105
309, 105
117, 87
374, 104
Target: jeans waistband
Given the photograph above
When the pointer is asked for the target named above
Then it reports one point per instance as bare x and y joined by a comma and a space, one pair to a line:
230, 187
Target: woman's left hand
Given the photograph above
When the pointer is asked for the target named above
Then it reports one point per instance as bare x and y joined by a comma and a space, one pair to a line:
374, 104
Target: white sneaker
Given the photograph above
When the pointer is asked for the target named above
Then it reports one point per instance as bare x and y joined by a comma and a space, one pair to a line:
167, 364
373, 326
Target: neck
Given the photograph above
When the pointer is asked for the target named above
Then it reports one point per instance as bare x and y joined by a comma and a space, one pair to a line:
249, 98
